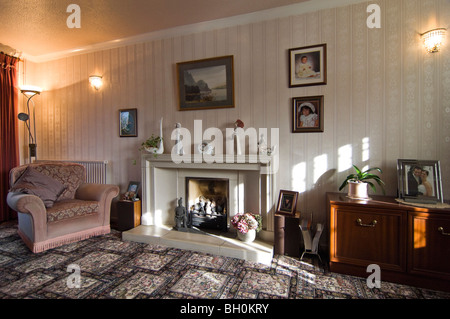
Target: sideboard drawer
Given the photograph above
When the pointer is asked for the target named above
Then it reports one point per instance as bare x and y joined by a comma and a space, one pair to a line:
429, 244
369, 236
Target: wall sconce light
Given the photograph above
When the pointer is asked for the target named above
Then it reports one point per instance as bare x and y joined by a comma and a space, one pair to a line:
433, 39
96, 81
30, 91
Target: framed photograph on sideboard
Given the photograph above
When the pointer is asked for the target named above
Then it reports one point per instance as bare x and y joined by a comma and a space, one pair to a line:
419, 181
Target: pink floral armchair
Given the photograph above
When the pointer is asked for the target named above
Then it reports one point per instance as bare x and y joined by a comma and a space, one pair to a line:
55, 206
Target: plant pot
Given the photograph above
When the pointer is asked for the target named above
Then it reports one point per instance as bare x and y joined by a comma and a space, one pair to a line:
151, 150
357, 190
247, 237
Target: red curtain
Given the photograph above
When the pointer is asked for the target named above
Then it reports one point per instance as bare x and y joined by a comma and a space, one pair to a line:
9, 135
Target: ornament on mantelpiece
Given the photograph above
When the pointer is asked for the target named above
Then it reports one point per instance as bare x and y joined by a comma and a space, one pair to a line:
178, 143
238, 124
263, 149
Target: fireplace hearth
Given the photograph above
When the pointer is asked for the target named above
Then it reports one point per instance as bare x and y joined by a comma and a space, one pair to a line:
207, 202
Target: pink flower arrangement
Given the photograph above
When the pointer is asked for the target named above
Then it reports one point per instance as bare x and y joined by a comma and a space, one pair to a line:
247, 221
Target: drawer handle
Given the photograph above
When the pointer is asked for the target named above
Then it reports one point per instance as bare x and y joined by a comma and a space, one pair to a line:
359, 221
441, 229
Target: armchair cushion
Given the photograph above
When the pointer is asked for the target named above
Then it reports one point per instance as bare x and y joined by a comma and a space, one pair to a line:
33, 182
71, 208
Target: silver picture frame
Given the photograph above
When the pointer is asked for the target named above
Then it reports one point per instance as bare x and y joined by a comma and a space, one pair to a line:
419, 181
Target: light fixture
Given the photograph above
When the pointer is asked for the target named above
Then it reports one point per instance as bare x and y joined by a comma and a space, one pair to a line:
96, 81
433, 39
30, 91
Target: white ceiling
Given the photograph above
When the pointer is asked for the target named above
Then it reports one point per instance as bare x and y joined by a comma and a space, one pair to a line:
39, 27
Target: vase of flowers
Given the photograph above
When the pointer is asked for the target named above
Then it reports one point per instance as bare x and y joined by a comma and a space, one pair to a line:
247, 225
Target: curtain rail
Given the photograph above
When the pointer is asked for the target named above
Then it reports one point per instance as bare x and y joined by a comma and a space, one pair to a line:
12, 56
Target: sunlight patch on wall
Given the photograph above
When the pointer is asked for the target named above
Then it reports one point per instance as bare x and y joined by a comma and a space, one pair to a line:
320, 166
298, 181
344, 158
365, 149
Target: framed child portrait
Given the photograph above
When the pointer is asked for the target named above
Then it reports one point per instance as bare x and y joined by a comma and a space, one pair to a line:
307, 114
287, 202
308, 65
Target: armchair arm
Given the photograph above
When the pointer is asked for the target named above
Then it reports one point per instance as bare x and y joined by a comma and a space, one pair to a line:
33, 206
96, 192
102, 193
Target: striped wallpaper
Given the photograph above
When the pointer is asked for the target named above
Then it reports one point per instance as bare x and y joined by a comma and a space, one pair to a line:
385, 99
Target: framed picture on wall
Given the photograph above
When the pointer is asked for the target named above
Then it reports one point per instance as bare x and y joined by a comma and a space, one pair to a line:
128, 123
287, 202
308, 65
206, 84
307, 114
419, 181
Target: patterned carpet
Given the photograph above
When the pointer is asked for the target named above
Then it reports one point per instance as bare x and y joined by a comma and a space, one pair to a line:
112, 269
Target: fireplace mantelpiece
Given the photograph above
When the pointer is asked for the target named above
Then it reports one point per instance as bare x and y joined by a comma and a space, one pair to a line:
251, 188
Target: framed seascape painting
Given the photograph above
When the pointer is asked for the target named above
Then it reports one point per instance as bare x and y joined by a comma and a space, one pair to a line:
128, 123
308, 65
206, 84
287, 202
419, 181
307, 114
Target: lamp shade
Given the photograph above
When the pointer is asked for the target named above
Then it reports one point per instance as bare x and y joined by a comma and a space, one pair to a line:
96, 81
30, 90
433, 39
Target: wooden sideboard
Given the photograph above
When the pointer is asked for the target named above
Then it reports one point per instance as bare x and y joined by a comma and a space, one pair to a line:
410, 244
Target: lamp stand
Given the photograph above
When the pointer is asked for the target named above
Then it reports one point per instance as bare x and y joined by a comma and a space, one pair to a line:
26, 119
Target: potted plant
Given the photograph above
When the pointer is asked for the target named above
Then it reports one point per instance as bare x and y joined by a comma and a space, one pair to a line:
248, 225
357, 183
152, 145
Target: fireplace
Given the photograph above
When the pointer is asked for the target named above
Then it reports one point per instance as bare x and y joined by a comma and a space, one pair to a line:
250, 189
207, 202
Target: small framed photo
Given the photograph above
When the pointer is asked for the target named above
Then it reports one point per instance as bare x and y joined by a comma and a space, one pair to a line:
132, 191
308, 65
287, 202
128, 123
206, 84
307, 114
419, 181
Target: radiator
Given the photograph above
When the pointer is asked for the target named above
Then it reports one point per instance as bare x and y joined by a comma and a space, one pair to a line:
96, 171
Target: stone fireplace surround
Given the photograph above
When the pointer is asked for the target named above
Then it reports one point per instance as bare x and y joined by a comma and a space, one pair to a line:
250, 190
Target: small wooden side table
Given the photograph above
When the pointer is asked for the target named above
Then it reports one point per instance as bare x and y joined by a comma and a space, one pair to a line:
287, 237
129, 214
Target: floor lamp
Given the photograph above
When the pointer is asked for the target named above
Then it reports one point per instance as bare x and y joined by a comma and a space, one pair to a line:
30, 92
